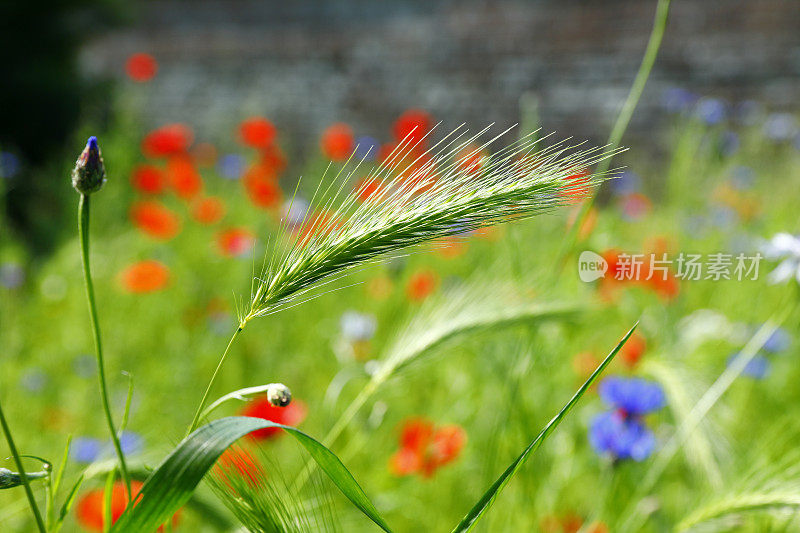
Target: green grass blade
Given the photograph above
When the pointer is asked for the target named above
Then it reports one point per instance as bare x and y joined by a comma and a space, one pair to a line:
173, 482
488, 498
68, 503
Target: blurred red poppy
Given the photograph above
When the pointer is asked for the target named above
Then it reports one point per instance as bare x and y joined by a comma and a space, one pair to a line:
141, 67
421, 285
208, 210
337, 142
262, 187
291, 415
148, 179
237, 462
144, 276
235, 242
183, 177
369, 188
412, 127
451, 247
257, 132
578, 187
425, 448
171, 139
155, 220
89, 509
274, 159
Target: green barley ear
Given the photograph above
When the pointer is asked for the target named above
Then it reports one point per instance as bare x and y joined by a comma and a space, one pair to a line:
89, 173
436, 195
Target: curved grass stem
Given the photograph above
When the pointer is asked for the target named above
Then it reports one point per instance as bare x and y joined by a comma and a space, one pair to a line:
25, 482
83, 230
201, 407
621, 124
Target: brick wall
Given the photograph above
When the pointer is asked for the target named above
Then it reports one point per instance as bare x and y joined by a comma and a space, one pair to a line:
307, 64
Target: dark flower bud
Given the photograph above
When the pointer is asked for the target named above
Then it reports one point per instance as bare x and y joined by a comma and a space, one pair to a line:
279, 395
89, 174
9, 479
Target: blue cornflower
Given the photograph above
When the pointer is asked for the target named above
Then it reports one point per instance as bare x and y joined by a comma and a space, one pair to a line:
130, 442
231, 166
622, 437
367, 148
729, 143
710, 110
634, 396
85, 449
779, 341
12, 276
677, 100
621, 432
628, 182
757, 368
780, 127
9, 165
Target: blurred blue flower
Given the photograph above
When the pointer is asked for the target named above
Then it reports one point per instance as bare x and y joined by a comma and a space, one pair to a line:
723, 216
9, 165
634, 396
622, 437
84, 366
710, 110
677, 100
780, 127
785, 247
231, 166
12, 276
627, 182
295, 210
743, 177
367, 148
130, 442
34, 380
357, 326
779, 341
757, 368
85, 449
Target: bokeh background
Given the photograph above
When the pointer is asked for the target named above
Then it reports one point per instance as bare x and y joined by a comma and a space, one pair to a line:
264, 92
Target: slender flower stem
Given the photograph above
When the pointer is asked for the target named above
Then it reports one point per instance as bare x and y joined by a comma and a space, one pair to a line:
18, 460
83, 230
621, 124
196, 418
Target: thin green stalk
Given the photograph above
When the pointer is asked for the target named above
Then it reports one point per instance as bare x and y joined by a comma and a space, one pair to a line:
198, 412
83, 230
18, 461
621, 124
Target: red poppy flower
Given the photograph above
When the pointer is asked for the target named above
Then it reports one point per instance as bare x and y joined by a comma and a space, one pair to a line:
368, 188
273, 159
144, 276
337, 142
208, 210
262, 187
425, 448
291, 415
635, 205
470, 159
237, 462
155, 220
171, 139
578, 187
421, 285
183, 177
412, 127
235, 242
89, 510
148, 179
141, 67
257, 132
633, 350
